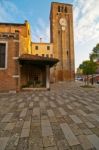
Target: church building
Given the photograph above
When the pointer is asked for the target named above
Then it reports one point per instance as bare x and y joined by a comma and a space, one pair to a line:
26, 64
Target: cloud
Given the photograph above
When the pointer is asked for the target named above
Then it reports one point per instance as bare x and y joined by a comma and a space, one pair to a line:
6, 11
86, 28
86, 23
42, 30
86, 20
9, 12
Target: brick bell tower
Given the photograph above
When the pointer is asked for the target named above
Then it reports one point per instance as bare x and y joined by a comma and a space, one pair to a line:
61, 35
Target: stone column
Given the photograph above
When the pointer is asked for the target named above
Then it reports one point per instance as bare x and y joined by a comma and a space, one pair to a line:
47, 77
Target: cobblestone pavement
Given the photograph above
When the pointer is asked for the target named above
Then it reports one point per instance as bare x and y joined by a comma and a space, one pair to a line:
64, 118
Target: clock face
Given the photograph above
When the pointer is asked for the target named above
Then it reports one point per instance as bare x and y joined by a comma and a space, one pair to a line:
63, 28
62, 21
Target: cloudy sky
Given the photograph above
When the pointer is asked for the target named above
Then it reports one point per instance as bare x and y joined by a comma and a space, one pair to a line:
86, 21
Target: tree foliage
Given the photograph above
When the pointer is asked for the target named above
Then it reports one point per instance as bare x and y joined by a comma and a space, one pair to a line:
88, 67
95, 53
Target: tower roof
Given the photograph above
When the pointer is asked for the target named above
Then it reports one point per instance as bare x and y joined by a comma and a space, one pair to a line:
58, 3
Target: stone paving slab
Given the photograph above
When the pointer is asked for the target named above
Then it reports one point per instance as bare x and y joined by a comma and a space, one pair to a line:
64, 118
94, 140
86, 144
75, 119
7, 117
3, 142
70, 137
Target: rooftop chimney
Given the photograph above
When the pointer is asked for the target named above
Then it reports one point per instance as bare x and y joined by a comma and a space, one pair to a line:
40, 40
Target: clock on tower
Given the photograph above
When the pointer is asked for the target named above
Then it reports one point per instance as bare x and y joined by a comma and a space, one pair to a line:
63, 23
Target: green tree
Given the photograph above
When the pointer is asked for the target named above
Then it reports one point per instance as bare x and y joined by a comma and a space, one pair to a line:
95, 53
89, 68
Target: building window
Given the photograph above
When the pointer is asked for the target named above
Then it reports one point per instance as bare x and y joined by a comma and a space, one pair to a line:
48, 47
65, 10
43, 55
59, 31
47, 55
17, 31
2, 55
28, 32
36, 78
51, 55
58, 8
67, 53
61, 9
36, 47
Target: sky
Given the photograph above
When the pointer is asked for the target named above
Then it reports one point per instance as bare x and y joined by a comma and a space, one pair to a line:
85, 15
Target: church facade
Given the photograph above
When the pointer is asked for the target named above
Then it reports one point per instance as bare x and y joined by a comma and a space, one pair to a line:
26, 64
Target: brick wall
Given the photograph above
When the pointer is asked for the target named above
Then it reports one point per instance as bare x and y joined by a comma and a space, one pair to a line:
7, 81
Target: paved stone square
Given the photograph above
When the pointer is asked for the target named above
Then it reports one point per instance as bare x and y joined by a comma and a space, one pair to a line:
64, 118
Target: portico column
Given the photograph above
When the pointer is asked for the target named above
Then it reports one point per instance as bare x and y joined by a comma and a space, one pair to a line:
47, 77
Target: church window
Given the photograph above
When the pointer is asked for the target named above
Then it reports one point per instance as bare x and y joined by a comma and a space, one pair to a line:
58, 8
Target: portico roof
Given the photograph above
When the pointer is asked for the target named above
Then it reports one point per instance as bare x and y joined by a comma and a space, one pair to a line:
37, 60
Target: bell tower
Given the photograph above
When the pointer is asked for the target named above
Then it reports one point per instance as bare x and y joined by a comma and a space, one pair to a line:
61, 35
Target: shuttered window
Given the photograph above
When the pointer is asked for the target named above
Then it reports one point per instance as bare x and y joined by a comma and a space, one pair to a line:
2, 55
